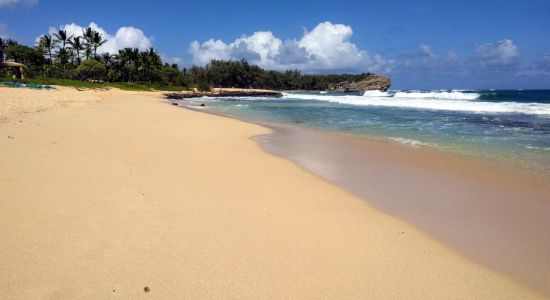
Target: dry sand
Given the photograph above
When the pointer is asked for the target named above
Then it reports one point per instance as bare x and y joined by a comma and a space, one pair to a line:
101, 199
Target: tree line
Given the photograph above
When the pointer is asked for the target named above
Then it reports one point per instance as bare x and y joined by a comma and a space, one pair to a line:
64, 56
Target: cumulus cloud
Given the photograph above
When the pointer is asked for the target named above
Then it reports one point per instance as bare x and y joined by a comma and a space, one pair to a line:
124, 37
5, 3
326, 47
503, 54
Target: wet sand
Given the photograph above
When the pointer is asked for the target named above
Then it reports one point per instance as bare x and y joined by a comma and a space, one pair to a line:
496, 216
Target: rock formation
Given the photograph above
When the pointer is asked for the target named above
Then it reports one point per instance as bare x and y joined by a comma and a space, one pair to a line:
223, 93
370, 82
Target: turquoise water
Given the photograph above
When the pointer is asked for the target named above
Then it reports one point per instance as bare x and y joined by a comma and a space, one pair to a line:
511, 127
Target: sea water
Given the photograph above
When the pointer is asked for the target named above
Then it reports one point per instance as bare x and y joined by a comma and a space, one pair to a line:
504, 126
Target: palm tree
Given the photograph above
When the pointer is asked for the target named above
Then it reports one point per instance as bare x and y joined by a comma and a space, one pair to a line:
62, 37
88, 35
134, 58
97, 41
77, 46
47, 44
71, 54
108, 60
124, 61
153, 56
129, 62
62, 54
150, 61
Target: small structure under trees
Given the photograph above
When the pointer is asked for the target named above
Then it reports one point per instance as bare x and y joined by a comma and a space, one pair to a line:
17, 67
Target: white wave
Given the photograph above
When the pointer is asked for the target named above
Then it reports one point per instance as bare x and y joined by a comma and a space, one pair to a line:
431, 104
239, 98
452, 95
376, 93
410, 142
537, 148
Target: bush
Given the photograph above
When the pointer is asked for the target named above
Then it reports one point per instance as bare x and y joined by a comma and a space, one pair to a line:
91, 69
203, 85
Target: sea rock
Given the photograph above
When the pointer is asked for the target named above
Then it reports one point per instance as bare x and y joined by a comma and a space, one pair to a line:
370, 82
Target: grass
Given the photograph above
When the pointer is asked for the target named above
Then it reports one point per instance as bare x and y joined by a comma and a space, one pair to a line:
128, 86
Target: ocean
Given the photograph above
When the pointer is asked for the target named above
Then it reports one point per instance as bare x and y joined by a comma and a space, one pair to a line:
510, 127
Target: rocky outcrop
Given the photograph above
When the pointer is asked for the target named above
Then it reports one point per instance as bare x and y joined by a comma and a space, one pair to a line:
370, 82
223, 93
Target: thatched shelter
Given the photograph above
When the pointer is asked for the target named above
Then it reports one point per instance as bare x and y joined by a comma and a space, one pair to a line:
14, 65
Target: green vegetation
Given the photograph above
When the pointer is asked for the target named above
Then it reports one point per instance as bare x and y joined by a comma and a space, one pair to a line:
60, 59
129, 86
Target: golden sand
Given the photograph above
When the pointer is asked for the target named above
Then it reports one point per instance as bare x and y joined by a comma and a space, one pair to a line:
118, 195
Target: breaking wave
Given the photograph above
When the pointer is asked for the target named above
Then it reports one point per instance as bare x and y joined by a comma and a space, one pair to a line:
452, 95
435, 100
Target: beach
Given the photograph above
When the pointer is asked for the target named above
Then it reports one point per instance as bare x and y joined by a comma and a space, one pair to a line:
112, 194
495, 215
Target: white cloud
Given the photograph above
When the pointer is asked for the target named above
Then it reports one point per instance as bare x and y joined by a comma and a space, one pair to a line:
326, 47
171, 59
502, 56
539, 68
426, 59
124, 37
211, 49
427, 51
5, 3
505, 53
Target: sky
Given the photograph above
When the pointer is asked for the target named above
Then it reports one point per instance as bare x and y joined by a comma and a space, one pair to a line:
419, 44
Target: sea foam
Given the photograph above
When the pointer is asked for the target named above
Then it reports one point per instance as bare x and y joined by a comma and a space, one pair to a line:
452, 95
406, 141
437, 100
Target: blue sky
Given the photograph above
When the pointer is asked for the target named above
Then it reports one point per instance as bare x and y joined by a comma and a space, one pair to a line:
419, 44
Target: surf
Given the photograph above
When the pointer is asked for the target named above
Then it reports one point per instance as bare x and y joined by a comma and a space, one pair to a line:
459, 101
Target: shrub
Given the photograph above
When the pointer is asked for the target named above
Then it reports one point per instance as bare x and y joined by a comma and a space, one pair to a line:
91, 69
203, 85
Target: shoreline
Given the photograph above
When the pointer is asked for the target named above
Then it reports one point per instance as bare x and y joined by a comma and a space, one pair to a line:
502, 224
104, 198
507, 230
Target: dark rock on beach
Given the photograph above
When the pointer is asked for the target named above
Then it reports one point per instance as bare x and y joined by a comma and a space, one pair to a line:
223, 93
